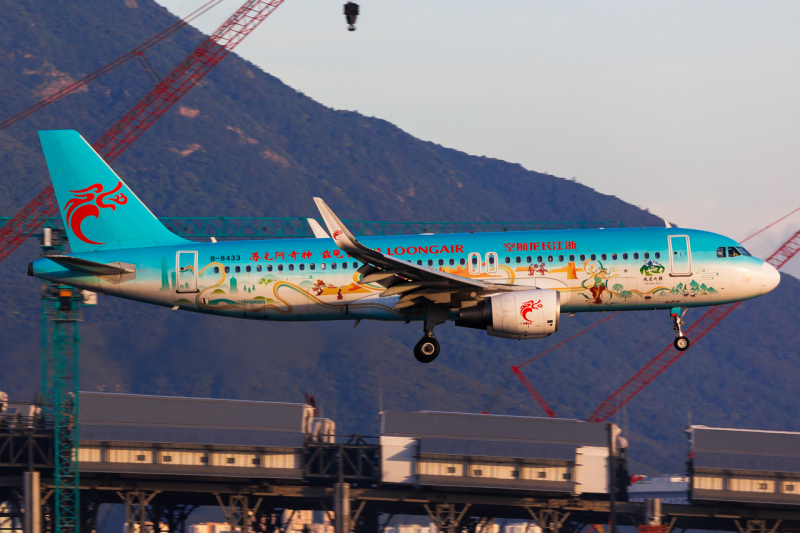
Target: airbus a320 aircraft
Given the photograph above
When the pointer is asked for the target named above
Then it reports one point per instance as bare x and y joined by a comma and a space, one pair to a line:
514, 285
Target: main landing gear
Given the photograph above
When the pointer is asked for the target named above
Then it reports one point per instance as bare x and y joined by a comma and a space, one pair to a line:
427, 349
681, 341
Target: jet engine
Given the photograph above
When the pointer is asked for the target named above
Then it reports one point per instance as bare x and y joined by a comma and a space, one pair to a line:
530, 314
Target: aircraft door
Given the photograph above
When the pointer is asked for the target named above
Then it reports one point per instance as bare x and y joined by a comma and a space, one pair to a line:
474, 261
186, 268
680, 255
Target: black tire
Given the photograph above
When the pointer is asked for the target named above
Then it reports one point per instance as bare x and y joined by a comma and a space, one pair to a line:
682, 344
426, 349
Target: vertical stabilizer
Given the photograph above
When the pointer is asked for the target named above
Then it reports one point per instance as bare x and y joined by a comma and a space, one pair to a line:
99, 210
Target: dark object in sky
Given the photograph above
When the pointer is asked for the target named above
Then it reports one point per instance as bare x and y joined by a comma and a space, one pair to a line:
351, 13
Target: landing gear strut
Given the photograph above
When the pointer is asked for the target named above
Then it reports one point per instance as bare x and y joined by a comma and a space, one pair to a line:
427, 349
681, 341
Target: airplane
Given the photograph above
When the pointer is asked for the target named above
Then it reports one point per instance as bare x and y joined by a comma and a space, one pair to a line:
514, 285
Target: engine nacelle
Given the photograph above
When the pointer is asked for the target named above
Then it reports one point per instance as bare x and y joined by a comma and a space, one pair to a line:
531, 314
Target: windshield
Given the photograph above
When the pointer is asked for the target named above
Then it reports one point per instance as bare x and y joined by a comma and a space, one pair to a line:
743, 251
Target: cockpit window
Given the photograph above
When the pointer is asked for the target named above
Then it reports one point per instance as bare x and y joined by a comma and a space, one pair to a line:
721, 251
744, 252
733, 252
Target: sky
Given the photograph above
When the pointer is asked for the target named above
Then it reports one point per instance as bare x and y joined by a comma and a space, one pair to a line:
688, 109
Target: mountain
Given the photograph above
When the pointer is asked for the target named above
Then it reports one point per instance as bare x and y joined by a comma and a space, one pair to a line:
245, 144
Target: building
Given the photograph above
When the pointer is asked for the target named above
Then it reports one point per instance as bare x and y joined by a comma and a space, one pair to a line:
498, 452
133, 434
744, 466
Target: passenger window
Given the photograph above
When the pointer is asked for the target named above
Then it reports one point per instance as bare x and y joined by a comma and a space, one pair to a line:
227, 270
302, 266
269, 268
528, 259
721, 251
572, 258
474, 263
549, 258
258, 268
625, 256
333, 266
540, 259
280, 268
583, 257
647, 255
560, 258
613, 257
491, 259
419, 262
291, 266
238, 269
658, 255
462, 261
344, 265
430, 262
452, 261
594, 257
441, 262
312, 266
603, 257
247, 268
216, 270
519, 260
508, 259
323, 266
355, 265
636, 255
733, 252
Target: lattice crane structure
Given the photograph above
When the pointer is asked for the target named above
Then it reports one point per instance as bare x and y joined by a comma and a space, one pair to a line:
695, 332
146, 112
61, 304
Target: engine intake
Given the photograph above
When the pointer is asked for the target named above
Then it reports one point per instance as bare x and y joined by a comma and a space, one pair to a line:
531, 314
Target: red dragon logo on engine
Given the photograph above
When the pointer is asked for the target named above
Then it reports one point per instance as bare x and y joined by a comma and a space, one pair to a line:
87, 203
527, 307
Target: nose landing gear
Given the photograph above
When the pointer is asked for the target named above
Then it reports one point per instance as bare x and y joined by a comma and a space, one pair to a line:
682, 342
427, 349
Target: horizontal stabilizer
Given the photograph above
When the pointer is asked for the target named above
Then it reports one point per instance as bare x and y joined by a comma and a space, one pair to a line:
89, 267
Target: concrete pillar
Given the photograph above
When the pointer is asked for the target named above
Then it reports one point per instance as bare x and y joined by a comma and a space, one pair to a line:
32, 502
341, 507
652, 511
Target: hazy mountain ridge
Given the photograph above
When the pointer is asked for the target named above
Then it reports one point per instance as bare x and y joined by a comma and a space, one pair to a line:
245, 144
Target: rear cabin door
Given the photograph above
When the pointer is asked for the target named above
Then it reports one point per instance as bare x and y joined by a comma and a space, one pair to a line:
680, 255
186, 268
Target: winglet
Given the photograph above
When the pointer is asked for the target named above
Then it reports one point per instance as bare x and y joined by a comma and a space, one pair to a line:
319, 233
341, 235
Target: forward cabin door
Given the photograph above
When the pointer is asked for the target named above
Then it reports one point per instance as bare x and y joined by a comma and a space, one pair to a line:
186, 269
680, 255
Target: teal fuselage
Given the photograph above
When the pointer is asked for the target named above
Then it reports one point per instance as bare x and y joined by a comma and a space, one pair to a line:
311, 279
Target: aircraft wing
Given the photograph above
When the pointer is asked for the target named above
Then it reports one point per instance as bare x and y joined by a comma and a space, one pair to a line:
413, 282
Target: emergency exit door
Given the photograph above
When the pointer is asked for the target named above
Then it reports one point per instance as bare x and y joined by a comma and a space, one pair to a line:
680, 255
186, 269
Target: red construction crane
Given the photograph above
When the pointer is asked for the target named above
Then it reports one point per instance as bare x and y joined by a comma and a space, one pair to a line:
69, 89
669, 355
528, 385
144, 114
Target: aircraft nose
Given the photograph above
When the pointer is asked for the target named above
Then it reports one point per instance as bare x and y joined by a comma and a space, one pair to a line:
770, 277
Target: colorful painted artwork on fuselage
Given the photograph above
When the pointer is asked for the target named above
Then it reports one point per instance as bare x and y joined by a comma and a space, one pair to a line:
311, 279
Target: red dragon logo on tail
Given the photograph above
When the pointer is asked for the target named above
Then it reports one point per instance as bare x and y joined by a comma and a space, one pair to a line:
337, 233
87, 203
527, 307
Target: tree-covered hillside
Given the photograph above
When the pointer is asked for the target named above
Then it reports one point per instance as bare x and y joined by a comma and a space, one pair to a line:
245, 144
